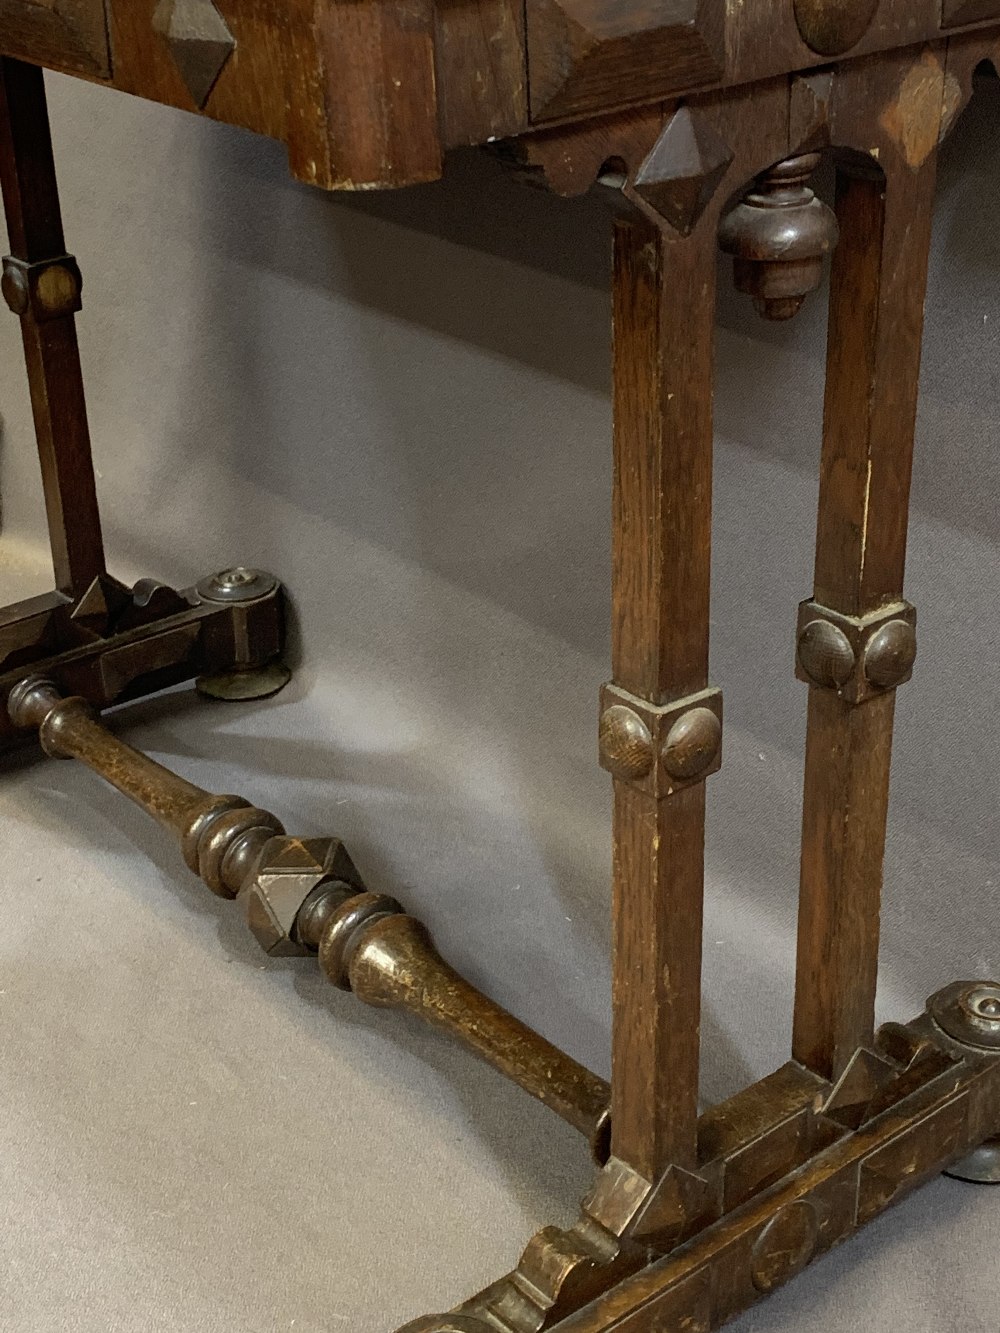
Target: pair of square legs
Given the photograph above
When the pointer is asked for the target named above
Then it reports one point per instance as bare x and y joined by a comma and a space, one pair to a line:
691, 1218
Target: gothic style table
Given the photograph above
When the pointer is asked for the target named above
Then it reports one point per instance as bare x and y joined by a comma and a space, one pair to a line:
702, 122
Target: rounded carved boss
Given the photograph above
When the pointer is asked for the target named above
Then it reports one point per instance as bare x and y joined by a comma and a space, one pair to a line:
831, 27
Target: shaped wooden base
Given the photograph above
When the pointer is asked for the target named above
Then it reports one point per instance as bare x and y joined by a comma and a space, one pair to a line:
788, 1169
117, 643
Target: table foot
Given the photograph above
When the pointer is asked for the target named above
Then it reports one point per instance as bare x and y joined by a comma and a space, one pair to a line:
243, 686
117, 643
981, 1167
787, 1169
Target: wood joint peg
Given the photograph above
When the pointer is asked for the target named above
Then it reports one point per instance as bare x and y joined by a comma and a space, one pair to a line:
660, 749
857, 657
48, 289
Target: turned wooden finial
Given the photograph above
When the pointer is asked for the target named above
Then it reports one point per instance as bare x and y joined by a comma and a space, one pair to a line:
779, 236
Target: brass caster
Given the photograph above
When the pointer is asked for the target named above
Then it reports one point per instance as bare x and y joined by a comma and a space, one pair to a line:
239, 584
969, 1012
981, 1167
237, 587
246, 683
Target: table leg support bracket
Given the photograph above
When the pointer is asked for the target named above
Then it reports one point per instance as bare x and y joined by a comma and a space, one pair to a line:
789, 1168
117, 643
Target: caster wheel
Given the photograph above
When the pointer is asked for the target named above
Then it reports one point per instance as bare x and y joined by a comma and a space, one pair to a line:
981, 1167
240, 686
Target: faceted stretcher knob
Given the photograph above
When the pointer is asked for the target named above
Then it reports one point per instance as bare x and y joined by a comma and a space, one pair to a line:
296, 884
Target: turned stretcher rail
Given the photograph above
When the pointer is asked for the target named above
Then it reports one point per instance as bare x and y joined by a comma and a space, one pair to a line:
305, 896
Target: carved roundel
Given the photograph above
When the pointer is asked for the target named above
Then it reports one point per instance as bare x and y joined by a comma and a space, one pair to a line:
831, 27
785, 1246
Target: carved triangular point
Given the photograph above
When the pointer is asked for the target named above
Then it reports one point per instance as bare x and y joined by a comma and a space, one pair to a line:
684, 170
200, 42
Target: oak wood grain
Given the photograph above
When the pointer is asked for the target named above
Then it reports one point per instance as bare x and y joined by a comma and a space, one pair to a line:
482, 76
381, 93
68, 34
887, 110
664, 322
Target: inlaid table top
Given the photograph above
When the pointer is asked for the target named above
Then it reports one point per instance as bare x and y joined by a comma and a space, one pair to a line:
371, 93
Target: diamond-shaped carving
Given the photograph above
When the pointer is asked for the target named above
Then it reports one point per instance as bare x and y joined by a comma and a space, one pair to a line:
587, 55
67, 34
102, 603
656, 1215
957, 12
199, 40
684, 170
289, 871
858, 1086
809, 111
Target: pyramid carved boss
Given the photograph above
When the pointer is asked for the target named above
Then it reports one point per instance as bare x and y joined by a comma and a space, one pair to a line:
583, 53
200, 42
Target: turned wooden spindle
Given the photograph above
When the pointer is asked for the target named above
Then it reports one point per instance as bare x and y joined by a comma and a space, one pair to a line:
779, 236
306, 896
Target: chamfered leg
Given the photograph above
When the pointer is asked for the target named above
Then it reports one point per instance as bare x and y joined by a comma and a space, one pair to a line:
856, 636
42, 284
658, 715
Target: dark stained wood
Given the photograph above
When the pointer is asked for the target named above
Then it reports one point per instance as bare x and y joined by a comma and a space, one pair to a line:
965, 55
367, 94
569, 158
34, 225
664, 320
585, 55
748, 1253
482, 77
381, 94
689, 1221
767, 40
891, 108
848, 755
200, 42
956, 12
874, 350
780, 237
306, 896
273, 82
663, 349
663, 323
68, 34
831, 27
657, 915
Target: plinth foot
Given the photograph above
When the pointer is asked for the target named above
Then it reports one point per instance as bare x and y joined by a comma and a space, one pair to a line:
242, 686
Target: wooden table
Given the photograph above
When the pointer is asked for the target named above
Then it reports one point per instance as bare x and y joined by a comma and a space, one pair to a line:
701, 122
